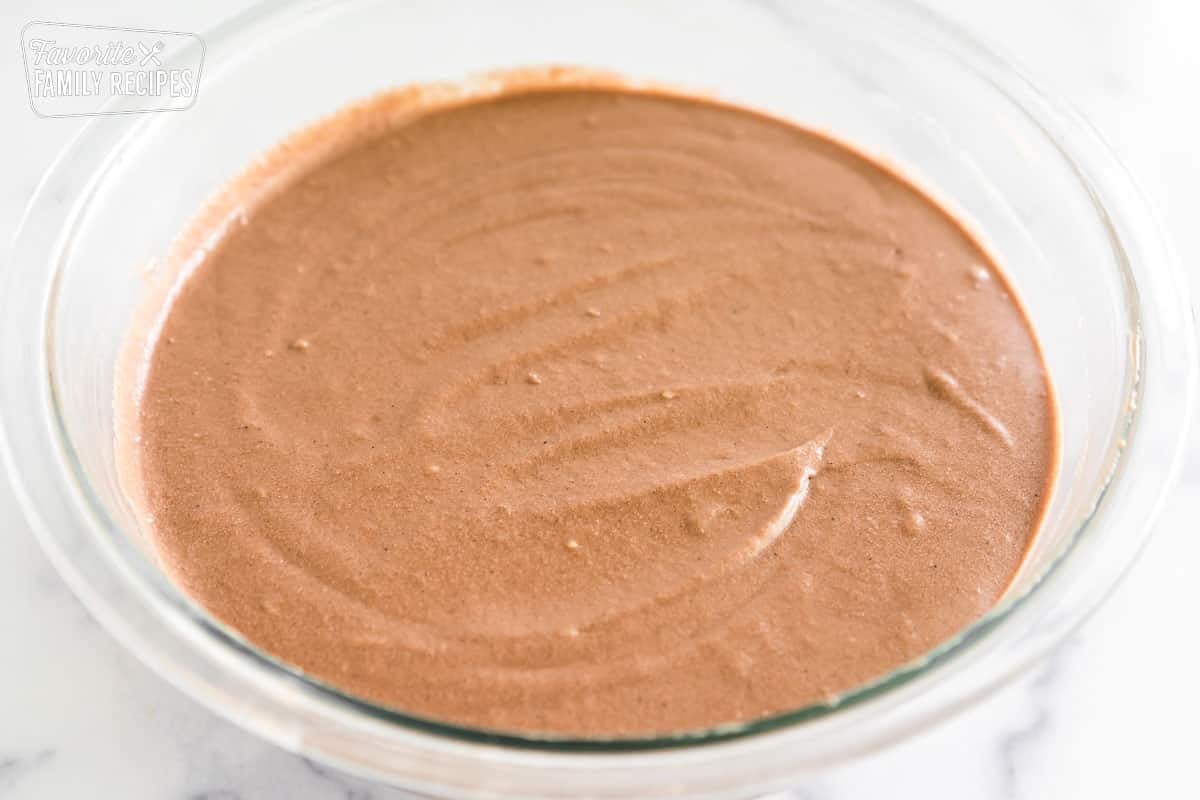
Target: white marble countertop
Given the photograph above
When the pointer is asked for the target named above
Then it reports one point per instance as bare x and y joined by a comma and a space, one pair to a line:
1114, 713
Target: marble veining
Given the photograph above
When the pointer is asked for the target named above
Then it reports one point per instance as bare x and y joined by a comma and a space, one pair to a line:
12, 767
1029, 735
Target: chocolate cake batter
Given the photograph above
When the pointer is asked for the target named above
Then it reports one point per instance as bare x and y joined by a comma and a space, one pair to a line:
592, 411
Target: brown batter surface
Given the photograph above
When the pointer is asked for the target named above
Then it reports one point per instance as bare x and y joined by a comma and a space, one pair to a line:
594, 412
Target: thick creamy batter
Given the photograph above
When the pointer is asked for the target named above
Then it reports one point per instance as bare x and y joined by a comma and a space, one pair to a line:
593, 411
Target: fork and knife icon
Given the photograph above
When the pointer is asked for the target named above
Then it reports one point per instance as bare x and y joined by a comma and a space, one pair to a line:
151, 53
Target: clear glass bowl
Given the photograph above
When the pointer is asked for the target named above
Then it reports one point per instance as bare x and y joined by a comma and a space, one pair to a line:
1048, 198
